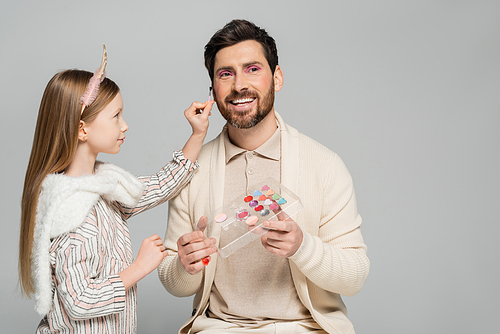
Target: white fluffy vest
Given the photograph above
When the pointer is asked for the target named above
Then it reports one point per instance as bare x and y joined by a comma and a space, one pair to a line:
63, 205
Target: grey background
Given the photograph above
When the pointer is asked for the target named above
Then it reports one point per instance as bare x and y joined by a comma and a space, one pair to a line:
407, 92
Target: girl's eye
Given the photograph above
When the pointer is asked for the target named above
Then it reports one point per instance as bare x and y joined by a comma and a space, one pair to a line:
252, 69
117, 114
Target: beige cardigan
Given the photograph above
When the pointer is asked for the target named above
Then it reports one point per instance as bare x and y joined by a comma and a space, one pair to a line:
332, 258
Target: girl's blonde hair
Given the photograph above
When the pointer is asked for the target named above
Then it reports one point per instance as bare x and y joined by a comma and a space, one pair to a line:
54, 145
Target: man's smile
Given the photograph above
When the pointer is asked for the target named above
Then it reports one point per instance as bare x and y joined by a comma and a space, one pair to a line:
242, 102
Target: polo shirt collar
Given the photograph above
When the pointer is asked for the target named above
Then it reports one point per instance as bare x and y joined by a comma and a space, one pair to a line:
271, 148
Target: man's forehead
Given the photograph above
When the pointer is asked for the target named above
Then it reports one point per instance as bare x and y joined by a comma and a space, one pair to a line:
245, 52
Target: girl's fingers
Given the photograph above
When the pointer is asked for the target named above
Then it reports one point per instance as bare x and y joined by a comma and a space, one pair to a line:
208, 107
197, 108
194, 107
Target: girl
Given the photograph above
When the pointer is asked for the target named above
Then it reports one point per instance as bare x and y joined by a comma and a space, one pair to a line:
75, 253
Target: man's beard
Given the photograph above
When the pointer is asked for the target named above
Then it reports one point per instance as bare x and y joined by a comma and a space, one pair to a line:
237, 119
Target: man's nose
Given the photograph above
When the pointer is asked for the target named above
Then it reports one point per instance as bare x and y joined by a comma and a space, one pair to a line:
240, 83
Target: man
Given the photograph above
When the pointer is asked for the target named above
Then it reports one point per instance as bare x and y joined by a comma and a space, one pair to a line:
290, 281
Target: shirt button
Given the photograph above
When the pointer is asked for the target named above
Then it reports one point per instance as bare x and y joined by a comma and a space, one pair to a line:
250, 171
249, 155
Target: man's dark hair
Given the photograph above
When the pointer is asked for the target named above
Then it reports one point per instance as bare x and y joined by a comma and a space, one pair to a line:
235, 32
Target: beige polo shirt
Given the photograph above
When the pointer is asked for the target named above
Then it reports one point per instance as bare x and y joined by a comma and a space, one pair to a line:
252, 286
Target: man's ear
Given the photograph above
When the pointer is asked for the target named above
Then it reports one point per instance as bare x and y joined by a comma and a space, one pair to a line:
278, 79
82, 132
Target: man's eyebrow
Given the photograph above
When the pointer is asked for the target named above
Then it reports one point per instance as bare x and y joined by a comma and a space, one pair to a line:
253, 63
224, 68
245, 65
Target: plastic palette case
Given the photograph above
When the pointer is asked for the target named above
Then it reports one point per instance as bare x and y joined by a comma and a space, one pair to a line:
241, 219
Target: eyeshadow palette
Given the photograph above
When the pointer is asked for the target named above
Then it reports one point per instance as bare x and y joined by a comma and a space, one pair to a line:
241, 219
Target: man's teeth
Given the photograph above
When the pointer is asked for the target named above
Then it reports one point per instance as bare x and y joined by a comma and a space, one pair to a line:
240, 101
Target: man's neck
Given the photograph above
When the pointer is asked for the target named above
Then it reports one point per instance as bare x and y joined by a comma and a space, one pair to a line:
253, 138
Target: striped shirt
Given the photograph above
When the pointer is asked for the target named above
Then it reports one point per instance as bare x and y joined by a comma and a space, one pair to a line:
88, 294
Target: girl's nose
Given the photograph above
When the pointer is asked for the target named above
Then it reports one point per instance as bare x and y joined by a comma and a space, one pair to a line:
124, 126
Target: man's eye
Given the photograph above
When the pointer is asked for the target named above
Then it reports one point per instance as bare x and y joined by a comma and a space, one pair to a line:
224, 74
252, 69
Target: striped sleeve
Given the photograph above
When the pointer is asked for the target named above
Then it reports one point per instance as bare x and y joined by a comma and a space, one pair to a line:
165, 184
81, 293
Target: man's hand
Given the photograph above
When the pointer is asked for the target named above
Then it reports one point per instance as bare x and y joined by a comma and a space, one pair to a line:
285, 239
194, 247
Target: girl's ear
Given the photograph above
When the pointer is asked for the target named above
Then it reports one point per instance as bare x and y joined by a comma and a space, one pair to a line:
82, 132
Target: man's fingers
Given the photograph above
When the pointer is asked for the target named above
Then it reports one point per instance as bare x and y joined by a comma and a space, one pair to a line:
190, 237
202, 223
197, 256
282, 215
271, 245
195, 268
196, 246
280, 225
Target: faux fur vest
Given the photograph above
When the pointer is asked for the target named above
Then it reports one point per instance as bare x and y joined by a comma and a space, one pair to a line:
63, 205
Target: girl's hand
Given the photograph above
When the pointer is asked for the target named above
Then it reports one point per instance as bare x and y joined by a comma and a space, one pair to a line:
150, 255
197, 116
